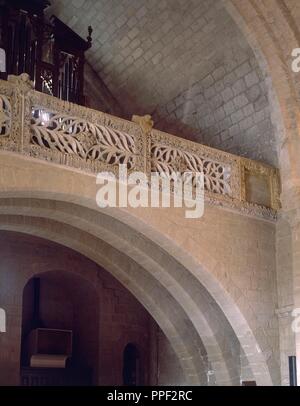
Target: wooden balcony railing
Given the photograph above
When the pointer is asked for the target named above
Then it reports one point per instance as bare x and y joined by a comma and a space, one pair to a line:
45, 127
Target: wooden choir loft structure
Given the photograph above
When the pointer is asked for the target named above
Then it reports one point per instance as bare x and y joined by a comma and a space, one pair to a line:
48, 50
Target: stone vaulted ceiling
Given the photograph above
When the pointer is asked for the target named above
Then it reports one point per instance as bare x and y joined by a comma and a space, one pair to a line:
183, 61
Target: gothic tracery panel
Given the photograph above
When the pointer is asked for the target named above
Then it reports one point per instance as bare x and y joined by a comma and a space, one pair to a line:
72, 135
5, 116
166, 159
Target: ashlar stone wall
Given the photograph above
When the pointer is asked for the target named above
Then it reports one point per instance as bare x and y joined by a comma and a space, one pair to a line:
185, 62
66, 279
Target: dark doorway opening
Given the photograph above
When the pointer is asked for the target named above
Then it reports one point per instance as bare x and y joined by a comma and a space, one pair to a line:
59, 331
131, 365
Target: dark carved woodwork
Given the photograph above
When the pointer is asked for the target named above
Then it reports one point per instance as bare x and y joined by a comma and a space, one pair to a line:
49, 51
72, 376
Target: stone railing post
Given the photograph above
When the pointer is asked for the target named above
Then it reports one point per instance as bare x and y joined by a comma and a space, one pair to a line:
22, 85
146, 124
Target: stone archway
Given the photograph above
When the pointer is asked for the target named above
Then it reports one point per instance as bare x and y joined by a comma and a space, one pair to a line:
177, 274
182, 333
59, 299
258, 21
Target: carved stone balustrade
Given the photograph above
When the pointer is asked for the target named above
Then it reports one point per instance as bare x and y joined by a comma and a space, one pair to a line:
47, 128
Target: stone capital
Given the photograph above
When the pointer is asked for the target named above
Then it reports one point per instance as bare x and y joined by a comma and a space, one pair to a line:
22, 81
145, 122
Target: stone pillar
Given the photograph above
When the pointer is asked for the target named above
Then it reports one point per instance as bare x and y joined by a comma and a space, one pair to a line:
286, 340
288, 281
285, 300
296, 283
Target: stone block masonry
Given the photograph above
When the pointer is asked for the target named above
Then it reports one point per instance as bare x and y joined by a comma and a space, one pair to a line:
184, 62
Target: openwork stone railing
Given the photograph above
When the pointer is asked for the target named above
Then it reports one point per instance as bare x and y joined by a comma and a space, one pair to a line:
47, 128
76, 136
